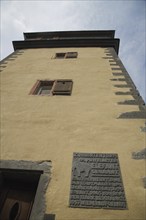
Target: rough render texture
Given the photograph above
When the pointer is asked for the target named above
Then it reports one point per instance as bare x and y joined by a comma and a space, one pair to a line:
52, 128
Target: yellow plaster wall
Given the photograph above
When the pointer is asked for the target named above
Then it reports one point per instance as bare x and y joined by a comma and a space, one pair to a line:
52, 128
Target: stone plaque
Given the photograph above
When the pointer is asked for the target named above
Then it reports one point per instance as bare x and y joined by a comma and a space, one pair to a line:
96, 182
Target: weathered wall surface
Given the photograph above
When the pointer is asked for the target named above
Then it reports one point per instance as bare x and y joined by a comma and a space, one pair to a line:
53, 127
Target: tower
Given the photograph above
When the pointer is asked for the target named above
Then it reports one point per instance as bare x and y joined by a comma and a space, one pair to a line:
72, 125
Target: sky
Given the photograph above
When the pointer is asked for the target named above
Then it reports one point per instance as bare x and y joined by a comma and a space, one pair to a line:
126, 17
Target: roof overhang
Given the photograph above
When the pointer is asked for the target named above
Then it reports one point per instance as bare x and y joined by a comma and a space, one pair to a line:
30, 44
64, 39
71, 34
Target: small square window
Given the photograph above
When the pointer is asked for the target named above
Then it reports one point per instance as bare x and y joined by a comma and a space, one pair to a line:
66, 55
52, 87
71, 55
45, 87
60, 55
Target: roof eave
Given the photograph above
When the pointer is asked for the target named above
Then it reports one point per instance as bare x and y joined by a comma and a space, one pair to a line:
67, 43
82, 33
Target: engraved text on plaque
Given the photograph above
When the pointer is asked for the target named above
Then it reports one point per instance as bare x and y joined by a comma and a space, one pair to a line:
97, 182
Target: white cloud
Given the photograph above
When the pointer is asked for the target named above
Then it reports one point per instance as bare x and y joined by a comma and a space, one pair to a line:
126, 17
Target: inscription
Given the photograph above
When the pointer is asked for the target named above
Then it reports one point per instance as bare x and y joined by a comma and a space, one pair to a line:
96, 182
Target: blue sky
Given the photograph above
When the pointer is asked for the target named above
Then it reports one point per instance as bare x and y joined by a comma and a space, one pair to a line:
127, 17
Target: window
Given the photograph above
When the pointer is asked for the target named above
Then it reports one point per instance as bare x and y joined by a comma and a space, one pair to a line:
71, 55
44, 87
17, 193
23, 186
52, 87
66, 55
60, 55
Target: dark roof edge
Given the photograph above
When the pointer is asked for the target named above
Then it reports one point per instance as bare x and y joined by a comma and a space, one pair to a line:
30, 44
82, 33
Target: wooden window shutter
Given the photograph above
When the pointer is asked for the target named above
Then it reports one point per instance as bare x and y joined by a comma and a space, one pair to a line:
63, 87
